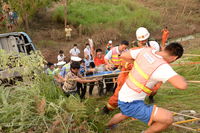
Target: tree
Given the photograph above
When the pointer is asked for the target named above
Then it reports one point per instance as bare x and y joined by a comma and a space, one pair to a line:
27, 8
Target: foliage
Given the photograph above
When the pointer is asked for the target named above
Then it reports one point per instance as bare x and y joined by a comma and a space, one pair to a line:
27, 8
37, 104
124, 14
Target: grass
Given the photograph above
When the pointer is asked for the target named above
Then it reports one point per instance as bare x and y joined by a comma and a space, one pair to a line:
168, 97
38, 105
124, 15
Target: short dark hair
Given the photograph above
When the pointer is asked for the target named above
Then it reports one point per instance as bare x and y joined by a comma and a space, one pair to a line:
61, 52
87, 44
175, 49
49, 64
92, 65
125, 43
75, 65
75, 45
99, 50
82, 61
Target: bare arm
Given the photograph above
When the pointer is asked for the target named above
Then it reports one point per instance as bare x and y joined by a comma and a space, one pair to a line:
178, 82
127, 57
85, 80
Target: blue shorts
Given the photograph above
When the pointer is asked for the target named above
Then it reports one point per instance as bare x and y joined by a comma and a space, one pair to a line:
138, 110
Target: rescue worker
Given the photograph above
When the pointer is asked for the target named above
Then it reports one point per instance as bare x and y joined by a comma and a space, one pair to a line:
142, 35
112, 58
165, 35
150, 67
50, 69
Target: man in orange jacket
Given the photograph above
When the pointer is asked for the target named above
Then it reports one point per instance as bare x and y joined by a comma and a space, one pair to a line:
126, 67
165, 35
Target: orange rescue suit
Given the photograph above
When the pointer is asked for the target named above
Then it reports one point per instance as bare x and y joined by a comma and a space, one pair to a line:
165, 35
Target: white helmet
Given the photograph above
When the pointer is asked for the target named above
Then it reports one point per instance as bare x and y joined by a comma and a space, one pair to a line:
142, 34
75, 58
110, 42
61, 63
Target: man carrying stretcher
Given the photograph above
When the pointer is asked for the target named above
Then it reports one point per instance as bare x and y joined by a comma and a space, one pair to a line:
142, 35
150, 67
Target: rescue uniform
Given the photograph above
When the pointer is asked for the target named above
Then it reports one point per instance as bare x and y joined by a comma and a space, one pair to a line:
114, 56
125, 66
149, 69
165, 35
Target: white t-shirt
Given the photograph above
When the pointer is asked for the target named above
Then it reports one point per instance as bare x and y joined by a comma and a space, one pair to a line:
61, 58
108, 56
68, 31
74, 51
88, 52
162, 73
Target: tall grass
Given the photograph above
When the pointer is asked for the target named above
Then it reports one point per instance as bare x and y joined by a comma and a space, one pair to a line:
124, 15
37, 104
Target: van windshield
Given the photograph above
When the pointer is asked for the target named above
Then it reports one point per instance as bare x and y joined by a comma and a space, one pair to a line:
29, 48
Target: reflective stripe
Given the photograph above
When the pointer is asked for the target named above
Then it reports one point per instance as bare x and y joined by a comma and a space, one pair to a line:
143, 74
115, 56
116, 60
138, 84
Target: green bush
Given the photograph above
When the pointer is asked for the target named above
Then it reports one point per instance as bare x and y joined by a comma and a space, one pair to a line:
37, 104
125, 15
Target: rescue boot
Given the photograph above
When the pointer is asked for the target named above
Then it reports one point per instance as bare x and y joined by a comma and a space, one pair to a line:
105, 110
151, 99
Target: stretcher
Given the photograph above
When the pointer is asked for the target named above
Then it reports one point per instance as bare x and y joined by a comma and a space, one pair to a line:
107, 82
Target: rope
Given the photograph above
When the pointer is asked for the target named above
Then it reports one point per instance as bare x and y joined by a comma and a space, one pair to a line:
186, 121
196, 55
187, 63
192, 81
188, 128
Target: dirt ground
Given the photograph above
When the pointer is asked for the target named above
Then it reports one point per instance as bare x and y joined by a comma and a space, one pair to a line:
182, 18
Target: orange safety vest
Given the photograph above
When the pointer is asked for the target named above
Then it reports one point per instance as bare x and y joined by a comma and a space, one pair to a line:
115, 57
144, 65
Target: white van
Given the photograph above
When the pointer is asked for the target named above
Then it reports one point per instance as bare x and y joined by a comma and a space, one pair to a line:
15, 42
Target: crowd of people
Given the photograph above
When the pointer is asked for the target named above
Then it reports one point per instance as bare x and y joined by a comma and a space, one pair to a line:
143, 69
9, 16
95, 61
